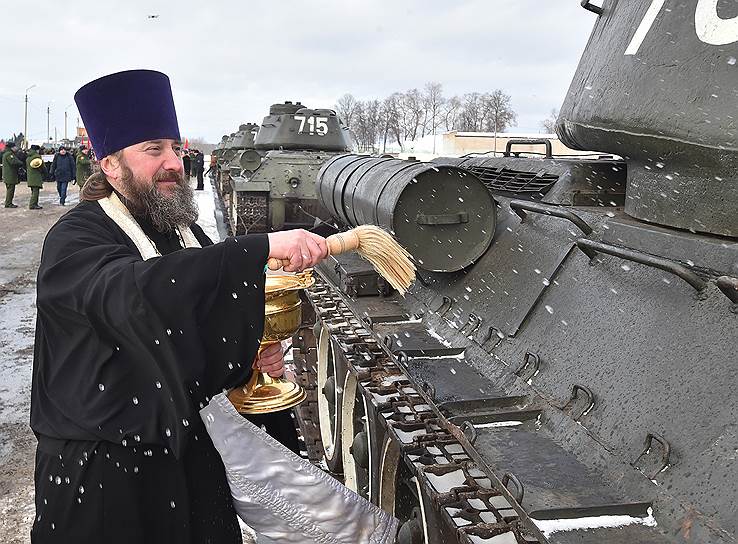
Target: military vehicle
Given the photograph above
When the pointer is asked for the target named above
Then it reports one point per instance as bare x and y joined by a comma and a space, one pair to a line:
218, 149
235, 146
224, 156
214, 172
564, 368
272, 186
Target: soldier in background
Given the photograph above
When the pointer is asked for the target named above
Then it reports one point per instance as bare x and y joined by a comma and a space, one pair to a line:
36, 173
84, 166
11, 164
198, 168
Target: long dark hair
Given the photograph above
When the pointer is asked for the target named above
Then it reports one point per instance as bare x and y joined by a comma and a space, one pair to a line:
97, 185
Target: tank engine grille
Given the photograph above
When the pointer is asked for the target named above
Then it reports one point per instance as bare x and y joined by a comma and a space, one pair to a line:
514, 181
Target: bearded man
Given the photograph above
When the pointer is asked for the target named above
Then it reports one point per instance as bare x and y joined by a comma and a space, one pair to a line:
141, 319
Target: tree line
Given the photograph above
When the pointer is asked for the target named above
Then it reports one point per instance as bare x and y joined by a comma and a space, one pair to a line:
407, 116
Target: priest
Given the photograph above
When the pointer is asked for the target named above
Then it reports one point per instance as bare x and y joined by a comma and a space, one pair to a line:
141, 320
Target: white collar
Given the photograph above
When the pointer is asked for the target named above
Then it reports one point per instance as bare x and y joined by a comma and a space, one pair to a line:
117, 211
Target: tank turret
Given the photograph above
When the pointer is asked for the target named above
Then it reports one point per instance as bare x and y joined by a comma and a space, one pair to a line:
658, 85
218, 149
293, 126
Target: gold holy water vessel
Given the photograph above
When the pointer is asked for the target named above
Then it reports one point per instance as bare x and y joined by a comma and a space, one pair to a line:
282, 317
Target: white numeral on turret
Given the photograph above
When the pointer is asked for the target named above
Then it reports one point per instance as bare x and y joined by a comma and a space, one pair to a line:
644, 27
315, 125
710, 27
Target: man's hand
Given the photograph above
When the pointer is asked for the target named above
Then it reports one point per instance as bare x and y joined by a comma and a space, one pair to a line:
271, 361
302, 248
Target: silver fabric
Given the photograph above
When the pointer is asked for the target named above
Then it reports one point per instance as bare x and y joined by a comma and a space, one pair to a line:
284, 497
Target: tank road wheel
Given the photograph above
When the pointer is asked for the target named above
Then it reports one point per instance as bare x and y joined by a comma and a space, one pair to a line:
329, 385
401, 495
356, 436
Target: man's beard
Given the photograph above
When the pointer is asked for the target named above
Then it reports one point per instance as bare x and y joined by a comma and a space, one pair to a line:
166, 212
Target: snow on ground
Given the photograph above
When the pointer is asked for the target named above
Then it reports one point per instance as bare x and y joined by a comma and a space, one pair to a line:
18, 311
206, 204
19, 257
210, 220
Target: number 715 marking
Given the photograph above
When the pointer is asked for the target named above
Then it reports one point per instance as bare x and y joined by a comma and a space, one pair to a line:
316, 125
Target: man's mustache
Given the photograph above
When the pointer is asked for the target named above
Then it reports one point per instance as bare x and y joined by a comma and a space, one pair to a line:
175, 177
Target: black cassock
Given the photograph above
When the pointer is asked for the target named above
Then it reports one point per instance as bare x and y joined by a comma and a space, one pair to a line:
127, 351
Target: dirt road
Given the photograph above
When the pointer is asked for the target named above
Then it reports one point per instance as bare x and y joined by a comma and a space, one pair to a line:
23, 233
22, 237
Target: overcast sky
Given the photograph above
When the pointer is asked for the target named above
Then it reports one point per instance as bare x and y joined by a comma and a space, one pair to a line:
229, 60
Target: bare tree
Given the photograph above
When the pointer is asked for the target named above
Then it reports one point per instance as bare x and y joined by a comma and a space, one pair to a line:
358, 125
433, 100
470, 115
367, 124
413, 112
373, 113
202, 145
346, 108
549, 123
391, 118
451, 109
498, 114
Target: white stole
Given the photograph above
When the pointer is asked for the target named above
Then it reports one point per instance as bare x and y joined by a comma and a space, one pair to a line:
117, 211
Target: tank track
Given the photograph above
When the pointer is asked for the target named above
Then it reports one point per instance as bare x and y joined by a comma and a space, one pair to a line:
462, 495
252, 211
304, 358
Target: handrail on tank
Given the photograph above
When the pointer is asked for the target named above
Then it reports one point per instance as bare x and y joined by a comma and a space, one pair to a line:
592, 248
586, 4
521, 206
529, 141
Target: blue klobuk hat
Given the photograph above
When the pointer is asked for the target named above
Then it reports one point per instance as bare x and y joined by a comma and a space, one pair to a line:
127, 108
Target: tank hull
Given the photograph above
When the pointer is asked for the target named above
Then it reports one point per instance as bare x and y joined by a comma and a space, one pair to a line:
567, 373
279, 195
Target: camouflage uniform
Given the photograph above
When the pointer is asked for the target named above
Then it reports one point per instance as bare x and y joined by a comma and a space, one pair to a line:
35, 178
11, 163
84, 168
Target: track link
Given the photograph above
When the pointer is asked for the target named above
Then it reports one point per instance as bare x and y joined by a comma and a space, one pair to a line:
462, 496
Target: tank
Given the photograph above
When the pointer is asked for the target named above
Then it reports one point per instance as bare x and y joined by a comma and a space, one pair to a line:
237, 145
229, 158
225, 154
272, 186
217, 152
569, 375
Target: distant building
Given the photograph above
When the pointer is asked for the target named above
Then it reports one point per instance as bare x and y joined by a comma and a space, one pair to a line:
456, 144
82, 139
